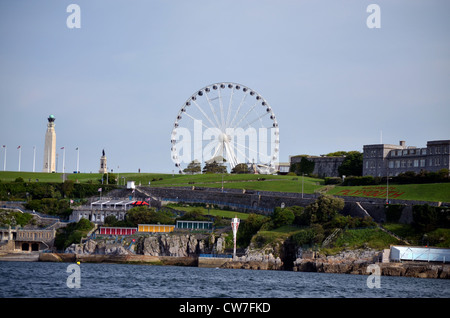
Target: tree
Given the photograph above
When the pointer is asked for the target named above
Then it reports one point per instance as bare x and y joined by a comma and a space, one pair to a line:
195, 214
305, 166
145, 215
240, 168
214, 167
67, 188
193, 168
352, 164
282, 217
248, 228
110, 177
324, 208
425, 217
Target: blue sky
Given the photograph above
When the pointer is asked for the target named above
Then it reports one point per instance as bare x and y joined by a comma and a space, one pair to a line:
118, 82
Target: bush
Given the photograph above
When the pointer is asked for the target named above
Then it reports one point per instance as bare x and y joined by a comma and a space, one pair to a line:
393, 212
324, 209
72, 233
248, 228
359, 181
60, 208
309, 236
282, 217
333, 180
427, 218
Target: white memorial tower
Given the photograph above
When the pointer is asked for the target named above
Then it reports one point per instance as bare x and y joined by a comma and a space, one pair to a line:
50, 146
103, 166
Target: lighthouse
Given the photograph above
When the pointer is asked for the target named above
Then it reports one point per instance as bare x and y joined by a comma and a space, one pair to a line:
50, 146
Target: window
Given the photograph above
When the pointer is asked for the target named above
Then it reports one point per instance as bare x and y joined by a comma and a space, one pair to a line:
416, 163
397, 163
424, 151
391, 164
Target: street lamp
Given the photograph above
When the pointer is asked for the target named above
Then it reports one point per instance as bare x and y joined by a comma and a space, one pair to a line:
387, 189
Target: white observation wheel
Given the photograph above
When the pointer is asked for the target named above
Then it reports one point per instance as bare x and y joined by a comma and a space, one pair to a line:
226, 122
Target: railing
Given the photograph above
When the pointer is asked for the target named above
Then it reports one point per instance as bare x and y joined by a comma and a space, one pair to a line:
216, 255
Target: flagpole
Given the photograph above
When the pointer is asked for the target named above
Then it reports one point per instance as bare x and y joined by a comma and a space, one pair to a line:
4, 160
78, 159
64, 158
34, 158
20, 154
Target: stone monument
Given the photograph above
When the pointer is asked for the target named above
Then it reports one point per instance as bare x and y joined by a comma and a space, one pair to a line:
103, 167
50, 146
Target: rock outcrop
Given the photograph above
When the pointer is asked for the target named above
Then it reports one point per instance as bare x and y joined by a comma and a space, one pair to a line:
180, 245
263, 258
98, 247
255, 261
357, 262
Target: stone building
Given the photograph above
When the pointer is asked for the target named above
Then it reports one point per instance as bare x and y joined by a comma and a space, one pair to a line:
324, 166
26, 240
380, 160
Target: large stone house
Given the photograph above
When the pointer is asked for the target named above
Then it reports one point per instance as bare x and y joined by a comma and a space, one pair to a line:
382, 160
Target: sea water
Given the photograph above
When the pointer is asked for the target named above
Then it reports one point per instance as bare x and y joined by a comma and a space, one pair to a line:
39, 279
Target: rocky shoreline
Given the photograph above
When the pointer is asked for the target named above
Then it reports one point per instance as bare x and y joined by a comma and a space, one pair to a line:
360, 267
184, 250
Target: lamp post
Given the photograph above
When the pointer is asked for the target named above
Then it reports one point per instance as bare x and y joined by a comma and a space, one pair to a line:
78, 159
4, 160
387, 190
234, 226
303, 176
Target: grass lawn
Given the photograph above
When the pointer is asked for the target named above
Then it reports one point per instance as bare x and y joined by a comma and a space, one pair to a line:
214, 212
280, 234
359, 238
230, 181
437, 192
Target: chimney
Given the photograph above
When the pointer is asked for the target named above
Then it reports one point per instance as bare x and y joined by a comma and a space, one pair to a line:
402, 143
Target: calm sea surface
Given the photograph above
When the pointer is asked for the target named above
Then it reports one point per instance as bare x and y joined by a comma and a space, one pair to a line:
48, 280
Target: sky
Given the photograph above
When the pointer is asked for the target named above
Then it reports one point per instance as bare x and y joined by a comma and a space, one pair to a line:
118, 82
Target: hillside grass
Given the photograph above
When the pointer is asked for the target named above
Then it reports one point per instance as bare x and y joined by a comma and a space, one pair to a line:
435, 192
213, 212
230, 181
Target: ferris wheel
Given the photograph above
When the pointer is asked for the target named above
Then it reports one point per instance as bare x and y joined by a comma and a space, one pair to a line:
226, 122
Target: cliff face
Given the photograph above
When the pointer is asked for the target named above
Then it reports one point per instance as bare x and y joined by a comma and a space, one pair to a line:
263, 258
98, 247
179, 245
183, 245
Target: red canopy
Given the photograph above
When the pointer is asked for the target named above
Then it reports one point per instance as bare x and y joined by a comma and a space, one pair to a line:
137, 203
